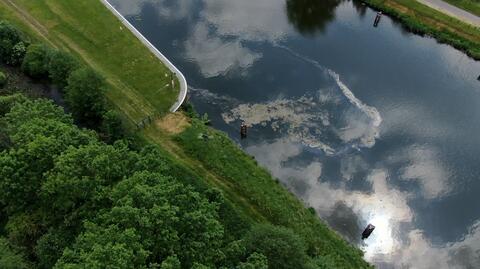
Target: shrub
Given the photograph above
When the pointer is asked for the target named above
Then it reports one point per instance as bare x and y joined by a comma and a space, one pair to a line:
35, 61
12, 44
84, 97
18, 53
8, 101
3, 79
282, 247
9, 257
60, 66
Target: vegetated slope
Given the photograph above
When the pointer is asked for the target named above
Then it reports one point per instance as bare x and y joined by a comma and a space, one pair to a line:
251, 193
422, 19
137, 80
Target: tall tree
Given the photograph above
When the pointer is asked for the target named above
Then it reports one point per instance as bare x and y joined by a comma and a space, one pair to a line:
85, 97
81, 179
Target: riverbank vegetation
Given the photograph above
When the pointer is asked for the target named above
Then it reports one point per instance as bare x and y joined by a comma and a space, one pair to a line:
167, 197
69, 200
242, 177
421, 19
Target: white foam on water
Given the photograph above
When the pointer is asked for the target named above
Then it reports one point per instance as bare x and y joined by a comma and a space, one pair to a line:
371, 112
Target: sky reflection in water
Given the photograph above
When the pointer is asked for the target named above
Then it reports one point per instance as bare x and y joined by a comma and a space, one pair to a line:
365, 125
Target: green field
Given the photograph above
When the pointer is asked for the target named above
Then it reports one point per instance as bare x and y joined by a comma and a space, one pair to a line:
136, 78
472, 6
421, 19
88, 30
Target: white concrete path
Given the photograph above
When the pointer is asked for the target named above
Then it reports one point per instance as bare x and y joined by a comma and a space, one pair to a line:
452, 11
181, 78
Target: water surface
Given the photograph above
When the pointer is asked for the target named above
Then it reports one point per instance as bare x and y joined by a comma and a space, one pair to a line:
366, 125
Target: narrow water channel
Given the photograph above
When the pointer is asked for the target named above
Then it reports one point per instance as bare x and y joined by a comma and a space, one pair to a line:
366, 125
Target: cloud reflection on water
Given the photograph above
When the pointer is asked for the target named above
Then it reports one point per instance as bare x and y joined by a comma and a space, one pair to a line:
328, 122
383, 205
204, 49
395, 240
166, 9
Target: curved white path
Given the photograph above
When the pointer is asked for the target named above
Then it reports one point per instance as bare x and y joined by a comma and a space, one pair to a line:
181, 78
452, 11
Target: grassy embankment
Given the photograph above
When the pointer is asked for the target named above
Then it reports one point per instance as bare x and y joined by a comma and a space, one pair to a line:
135, 76
421, 19
88, 30
472, 6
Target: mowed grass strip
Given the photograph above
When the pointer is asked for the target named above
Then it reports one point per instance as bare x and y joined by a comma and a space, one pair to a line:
137, 79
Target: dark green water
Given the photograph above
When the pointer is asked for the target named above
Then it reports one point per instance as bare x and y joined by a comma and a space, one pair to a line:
366, 125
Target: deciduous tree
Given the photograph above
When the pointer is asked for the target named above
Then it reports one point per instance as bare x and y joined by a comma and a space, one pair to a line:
60, 65
85, 97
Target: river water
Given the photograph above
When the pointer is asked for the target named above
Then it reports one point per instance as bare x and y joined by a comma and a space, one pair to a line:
366, 125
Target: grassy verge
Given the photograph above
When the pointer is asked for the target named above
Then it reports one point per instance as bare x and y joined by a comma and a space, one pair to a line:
263, 195
472, 6
88, 30
421, 19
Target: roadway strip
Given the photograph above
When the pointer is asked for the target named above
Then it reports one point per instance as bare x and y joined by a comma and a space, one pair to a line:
453, 11
181, 78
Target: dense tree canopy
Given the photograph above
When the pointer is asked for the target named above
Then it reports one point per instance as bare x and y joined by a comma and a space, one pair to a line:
39, 131
153, 217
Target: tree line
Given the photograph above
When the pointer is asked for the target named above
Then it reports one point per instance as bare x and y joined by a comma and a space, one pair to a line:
82, 88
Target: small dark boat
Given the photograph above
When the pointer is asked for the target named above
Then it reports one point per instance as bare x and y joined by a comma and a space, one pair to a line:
368, 231
377, 19
243, 130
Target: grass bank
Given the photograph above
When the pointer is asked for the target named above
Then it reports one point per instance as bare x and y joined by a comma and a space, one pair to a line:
262, 194
421, 19
87, 29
